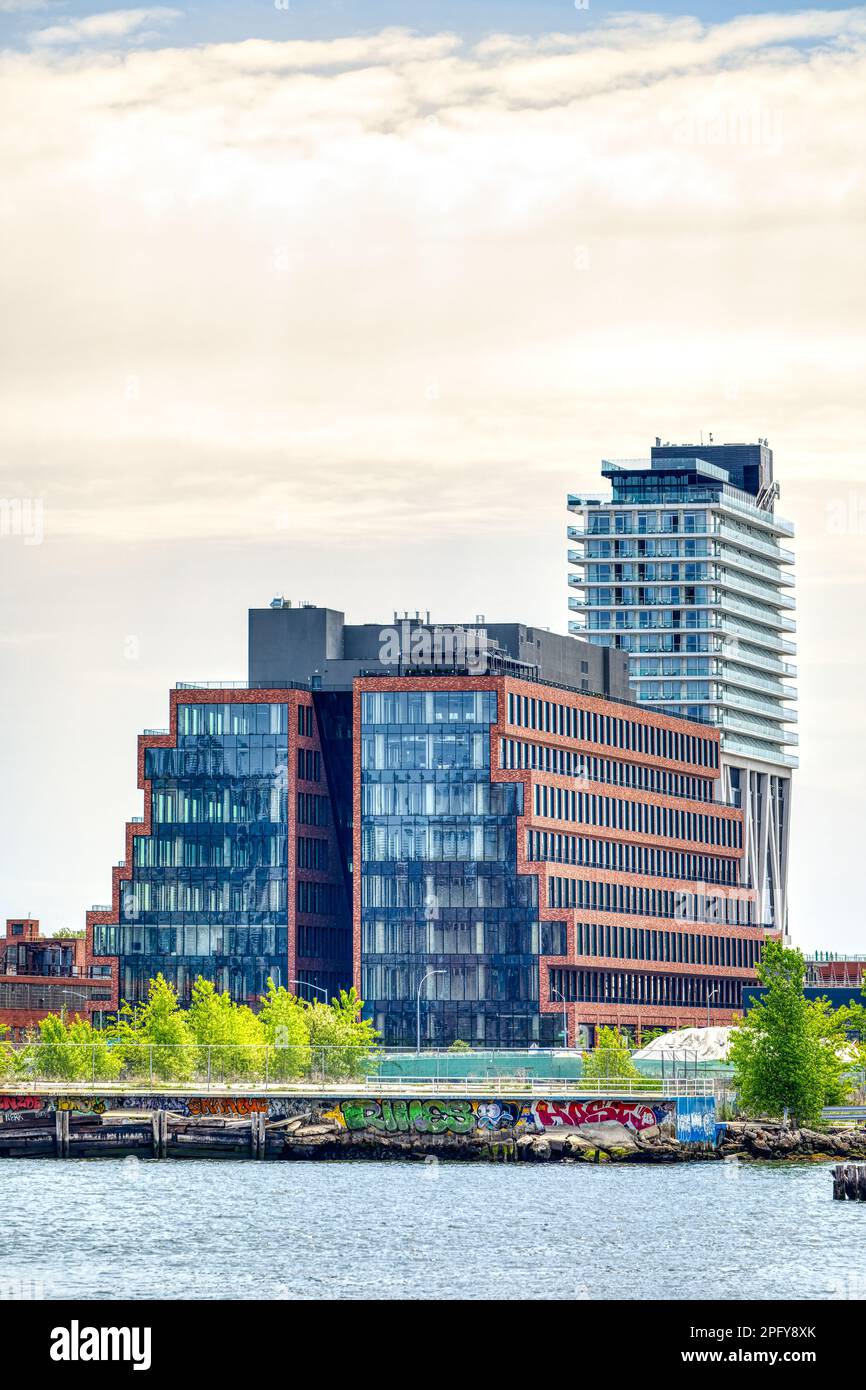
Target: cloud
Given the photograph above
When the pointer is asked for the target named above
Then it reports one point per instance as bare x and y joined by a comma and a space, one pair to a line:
20, 6
108, 27
396, 265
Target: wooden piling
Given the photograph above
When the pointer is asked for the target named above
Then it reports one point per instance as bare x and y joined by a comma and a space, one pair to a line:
61, 1133
849, 1182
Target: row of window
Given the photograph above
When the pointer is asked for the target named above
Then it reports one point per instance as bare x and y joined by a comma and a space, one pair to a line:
651, 573
312, 853
252, 894
630, 618
128, 939
551, 717
435, 839
622, 987
305, 721
665, 595
323, 943
590, 895
389, 748
483, 884
441, 798
462, 934
251, 755
417, 707
256, 846
514, 753
686, 546
469, 980
321, 899
309, 765
586, 808
215, 721
549, 846
647, 943
259, 801
624, 523
312, 809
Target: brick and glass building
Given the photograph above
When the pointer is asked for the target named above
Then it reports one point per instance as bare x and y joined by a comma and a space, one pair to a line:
475, 811
684, 566
40, 975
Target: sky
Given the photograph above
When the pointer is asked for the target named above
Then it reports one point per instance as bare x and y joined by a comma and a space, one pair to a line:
340, 302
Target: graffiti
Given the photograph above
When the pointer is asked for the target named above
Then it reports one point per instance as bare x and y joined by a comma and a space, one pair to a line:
548, 1113
84, 1105
15, 1103
227, 1105
696, 1119
497, 1114
178, 1105
401, 1116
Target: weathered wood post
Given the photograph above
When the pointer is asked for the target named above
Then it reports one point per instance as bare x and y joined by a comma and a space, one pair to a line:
154, 1125
61, 1133
163, 1133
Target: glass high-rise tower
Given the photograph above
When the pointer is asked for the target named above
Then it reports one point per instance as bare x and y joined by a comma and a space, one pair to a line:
684, 567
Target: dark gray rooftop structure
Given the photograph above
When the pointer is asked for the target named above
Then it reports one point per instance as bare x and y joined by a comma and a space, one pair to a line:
316, 648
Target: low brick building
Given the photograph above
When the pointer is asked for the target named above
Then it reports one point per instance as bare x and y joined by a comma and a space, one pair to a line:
41, 975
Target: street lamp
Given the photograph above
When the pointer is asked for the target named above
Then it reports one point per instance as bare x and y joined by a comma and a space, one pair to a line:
428, 976
306, 984
564, 1013
711, 994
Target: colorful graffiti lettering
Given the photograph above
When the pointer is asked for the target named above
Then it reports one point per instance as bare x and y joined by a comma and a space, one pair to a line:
227, 1105
549, 1113
22, 1103
84, 1105
401, 1116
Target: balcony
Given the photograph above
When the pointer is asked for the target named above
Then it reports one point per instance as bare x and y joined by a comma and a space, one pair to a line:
748, 541
753, 704
732, 580
759, 614
738, 560
749, 748
759, 636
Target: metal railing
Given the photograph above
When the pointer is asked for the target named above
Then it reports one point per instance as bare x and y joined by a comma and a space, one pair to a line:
111, 1066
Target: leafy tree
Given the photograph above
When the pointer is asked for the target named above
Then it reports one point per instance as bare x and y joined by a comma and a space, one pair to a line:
787, 1052
459, 1045
341, 1040
155, 1036
230, 1036
611, 1059
284, 1022
74, 1051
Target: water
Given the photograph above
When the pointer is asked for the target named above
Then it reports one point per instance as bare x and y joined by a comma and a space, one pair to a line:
223, 1229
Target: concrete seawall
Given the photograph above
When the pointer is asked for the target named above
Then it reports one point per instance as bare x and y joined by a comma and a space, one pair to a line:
342, 1125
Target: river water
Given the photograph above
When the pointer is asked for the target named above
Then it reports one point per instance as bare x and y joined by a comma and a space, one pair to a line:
134, 1228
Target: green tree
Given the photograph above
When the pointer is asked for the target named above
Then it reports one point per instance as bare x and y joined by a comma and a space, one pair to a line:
611, 1059
230, 1037
284, 1022
787, 1053
73, 1051
154, 1038
342, 1041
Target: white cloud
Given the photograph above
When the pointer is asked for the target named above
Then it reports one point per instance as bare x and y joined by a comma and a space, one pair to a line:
350, 318
96, 28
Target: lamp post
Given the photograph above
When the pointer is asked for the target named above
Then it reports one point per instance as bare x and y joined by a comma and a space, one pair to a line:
711, 994
564, 1013
306, 985
428, 976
